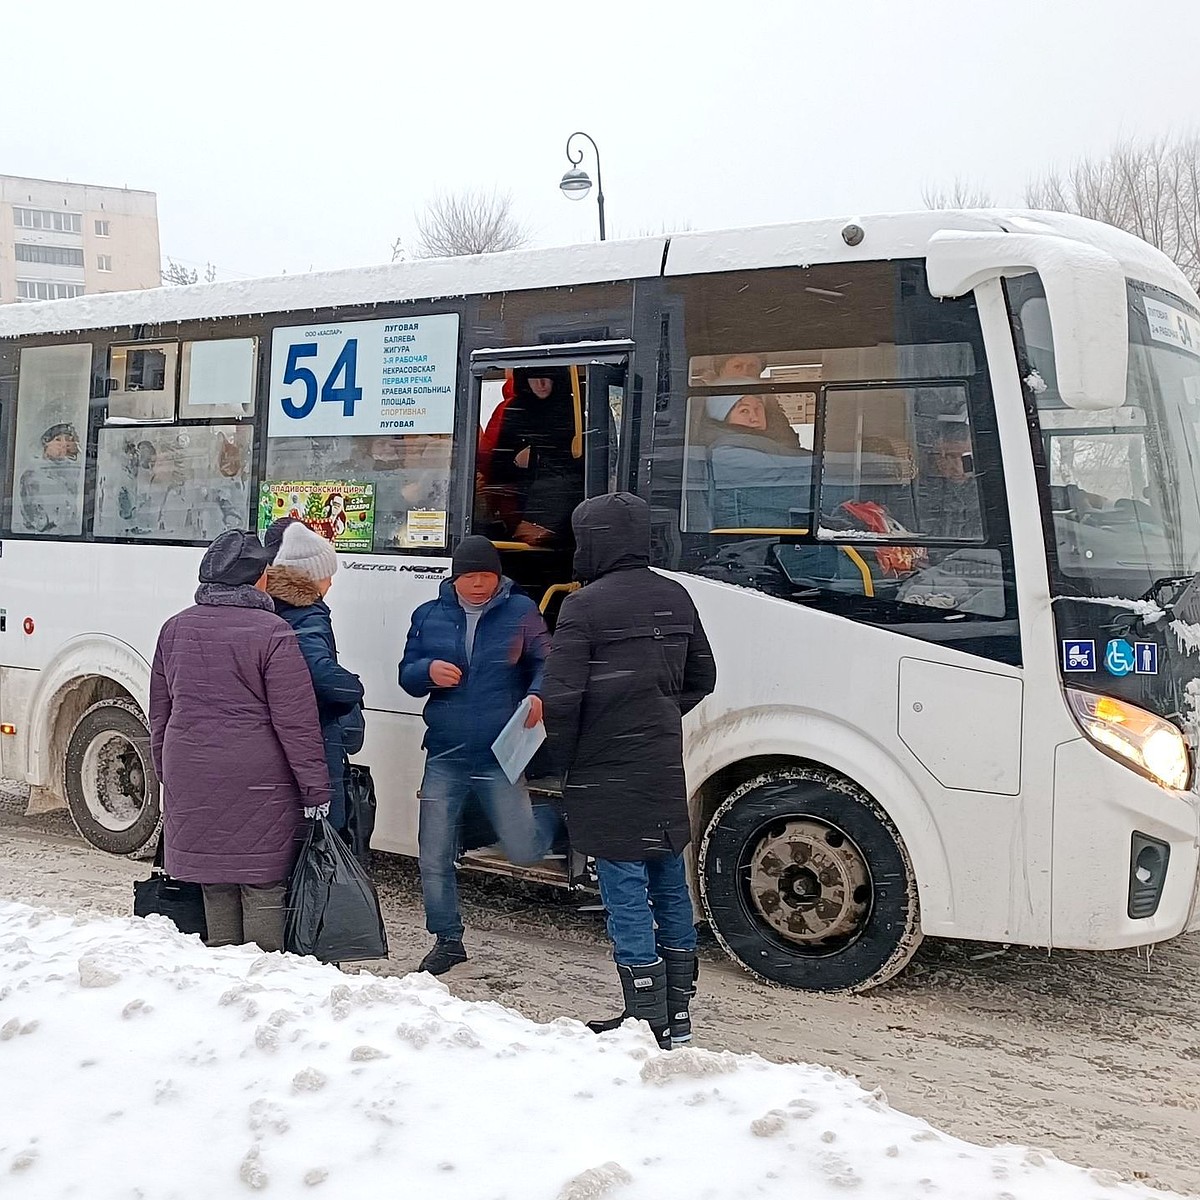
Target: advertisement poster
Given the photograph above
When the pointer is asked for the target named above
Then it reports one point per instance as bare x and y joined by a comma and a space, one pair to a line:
360, 378
342, 512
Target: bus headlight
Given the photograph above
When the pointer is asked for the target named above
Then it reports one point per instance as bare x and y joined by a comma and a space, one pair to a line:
1152, 745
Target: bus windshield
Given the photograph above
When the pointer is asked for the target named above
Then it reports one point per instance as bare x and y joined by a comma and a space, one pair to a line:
1123, 484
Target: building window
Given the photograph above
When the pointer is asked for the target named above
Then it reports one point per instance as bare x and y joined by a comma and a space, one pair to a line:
53, 256
43, 289
48, 219
102, 229
104, 262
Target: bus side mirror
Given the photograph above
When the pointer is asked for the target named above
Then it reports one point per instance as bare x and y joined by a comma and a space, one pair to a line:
1085, 295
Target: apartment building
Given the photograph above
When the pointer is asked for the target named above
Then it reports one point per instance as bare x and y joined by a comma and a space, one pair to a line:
59, 240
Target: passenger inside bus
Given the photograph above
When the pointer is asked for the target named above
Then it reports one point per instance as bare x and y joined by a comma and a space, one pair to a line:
50, 488
757, 475
535, 469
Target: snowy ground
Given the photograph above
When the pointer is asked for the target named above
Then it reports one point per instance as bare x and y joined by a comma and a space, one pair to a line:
138, 1063
1096, 1058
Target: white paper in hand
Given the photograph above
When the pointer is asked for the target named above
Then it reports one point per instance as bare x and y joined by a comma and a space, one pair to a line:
515, 746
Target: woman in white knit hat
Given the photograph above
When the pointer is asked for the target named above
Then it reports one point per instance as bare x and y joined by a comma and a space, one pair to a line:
300, 575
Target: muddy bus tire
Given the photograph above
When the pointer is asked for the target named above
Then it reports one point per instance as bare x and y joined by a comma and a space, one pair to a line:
806, 883
111, 788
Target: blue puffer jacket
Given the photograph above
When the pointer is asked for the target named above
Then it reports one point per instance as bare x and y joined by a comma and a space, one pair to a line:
507, 663
339, 692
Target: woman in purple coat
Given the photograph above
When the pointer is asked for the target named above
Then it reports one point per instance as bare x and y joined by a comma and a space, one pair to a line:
237, 745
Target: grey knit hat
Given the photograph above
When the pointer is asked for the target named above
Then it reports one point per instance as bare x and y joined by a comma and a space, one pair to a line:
306, 553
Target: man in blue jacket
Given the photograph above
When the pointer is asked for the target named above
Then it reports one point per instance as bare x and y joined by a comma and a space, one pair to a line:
475, 652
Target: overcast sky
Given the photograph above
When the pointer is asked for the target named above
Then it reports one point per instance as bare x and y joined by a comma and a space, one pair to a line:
284, 136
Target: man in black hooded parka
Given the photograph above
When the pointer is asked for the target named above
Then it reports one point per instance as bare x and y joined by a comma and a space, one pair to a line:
629, 659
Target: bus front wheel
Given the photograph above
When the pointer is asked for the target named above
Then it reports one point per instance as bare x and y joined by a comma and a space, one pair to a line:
112, 791
806, 883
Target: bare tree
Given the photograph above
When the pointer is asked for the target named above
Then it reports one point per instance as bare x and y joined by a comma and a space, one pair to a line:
177, 275
1149, 188
469, 222
960, 195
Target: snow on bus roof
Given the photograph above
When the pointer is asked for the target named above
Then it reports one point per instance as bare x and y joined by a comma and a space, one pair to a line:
887, 236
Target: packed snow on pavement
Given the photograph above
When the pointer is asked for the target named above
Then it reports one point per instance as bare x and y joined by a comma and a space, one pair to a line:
138, 1063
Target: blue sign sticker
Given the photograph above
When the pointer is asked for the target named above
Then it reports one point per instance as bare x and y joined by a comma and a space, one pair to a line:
1147, 658
1079, 656
1119, 658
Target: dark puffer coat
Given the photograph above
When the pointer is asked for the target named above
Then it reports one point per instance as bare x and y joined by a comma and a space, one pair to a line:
546, 491
339, 692
630, 658
507, 661
235, 739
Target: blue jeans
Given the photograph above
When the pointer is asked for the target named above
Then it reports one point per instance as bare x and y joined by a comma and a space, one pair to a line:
444, 790
641, 895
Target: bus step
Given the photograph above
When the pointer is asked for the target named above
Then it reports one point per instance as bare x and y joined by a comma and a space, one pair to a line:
493, 862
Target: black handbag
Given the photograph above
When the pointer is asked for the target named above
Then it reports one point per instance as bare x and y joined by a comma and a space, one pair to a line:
360, 811
179, 901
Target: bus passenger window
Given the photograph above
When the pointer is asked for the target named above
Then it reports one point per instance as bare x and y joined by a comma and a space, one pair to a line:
141, 382
217, 378
53, 386
172, 483
410, 474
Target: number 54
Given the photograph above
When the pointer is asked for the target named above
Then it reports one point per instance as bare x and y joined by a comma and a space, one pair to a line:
347, 393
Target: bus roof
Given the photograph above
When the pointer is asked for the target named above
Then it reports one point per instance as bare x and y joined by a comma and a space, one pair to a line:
888, 236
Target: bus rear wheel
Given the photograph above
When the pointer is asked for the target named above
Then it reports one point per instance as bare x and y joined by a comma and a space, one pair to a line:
806, 883
112, 791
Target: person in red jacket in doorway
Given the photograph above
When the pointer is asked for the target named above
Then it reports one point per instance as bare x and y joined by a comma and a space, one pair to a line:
629, 659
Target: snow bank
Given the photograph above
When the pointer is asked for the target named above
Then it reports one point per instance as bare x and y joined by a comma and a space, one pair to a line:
136, 1063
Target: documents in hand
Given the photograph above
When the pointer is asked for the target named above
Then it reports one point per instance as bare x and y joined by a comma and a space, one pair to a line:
515, 746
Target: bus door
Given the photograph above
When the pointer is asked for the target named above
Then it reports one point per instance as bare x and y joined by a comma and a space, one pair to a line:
549, 421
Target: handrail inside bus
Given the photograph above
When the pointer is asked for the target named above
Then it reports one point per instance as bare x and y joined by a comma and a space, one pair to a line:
577, 440
864, 570
553, 590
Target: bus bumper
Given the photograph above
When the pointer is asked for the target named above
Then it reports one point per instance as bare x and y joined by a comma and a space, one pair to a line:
1103, 813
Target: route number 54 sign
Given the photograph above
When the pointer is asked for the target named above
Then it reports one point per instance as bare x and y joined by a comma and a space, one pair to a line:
358, 378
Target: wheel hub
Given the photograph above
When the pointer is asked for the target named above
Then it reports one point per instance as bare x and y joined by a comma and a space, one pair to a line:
114, 782
809, 881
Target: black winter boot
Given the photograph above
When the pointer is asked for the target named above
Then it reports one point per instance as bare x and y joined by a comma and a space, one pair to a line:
645, 990
683, 969
446, 953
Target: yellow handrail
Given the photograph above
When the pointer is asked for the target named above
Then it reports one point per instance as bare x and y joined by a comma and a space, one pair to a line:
553, 591
577, 440
865, 571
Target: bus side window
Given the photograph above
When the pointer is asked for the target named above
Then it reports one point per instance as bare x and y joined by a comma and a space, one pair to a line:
53, 389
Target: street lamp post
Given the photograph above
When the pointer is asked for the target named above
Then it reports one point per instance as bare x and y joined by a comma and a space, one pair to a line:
576, 183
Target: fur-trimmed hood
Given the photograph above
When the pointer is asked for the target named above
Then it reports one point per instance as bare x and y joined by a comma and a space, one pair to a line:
283, 583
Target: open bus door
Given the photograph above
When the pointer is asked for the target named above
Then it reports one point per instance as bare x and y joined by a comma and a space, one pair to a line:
582, 438
589, 389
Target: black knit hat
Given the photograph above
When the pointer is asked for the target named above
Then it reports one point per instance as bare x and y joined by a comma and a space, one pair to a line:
475, 553
235, 557
273, 535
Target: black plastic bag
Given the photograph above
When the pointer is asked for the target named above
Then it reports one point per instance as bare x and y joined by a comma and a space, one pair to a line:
333, 911
360, 812
176, 899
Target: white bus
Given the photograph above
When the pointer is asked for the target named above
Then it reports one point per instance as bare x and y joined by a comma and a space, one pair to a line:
932, 481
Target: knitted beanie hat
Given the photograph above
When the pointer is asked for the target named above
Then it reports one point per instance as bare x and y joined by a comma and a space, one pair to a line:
473, 554
306, 553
